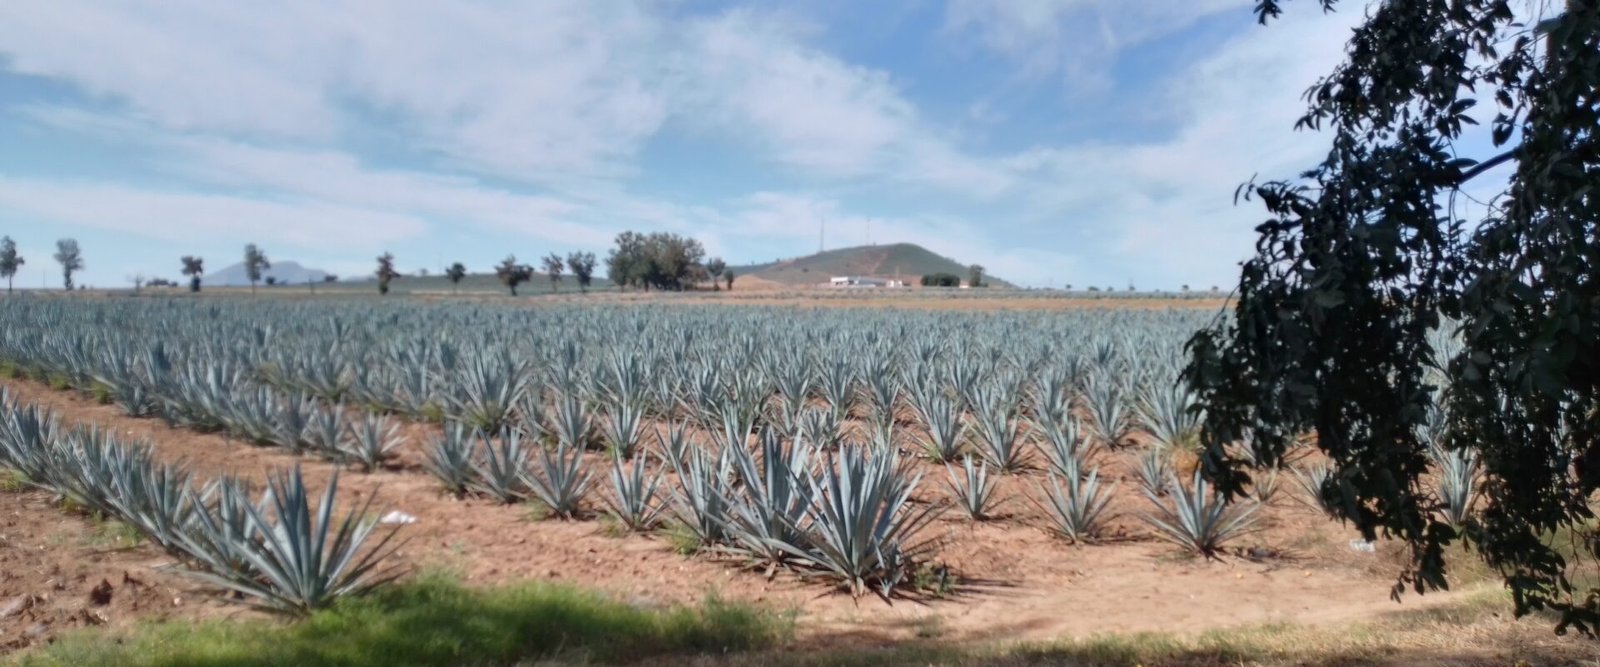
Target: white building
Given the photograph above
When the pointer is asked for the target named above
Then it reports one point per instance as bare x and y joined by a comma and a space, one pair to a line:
862, 281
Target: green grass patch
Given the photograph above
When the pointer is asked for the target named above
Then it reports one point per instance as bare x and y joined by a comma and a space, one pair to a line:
536, 511
12, 481
683, 540
432, 413
115, 535
436, 621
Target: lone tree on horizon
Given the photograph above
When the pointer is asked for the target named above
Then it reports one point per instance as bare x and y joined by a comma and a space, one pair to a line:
1376, 301
715, 268
553, 266
193, 267
70, 257
386, 272
455, 273
975, 275
512, 274
255, 262
727, 276
582, 266
10, 261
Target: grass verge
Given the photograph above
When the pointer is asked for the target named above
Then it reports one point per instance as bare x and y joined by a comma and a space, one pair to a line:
1475, 630
436, 621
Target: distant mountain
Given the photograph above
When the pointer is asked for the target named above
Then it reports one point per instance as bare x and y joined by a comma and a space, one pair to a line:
908, 261
286, 272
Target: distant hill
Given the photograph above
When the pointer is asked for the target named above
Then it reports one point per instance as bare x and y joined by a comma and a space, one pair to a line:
909, 261
286, 272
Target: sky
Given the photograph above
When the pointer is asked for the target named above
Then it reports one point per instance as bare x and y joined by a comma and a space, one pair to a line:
1053, 141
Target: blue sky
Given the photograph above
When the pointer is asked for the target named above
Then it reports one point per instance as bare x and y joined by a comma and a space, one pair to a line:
1054, 141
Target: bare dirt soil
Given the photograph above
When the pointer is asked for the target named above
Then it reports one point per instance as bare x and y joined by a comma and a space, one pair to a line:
60, 571
1015, 580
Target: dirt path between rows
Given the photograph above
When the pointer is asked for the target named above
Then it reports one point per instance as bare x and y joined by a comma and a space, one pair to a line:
1019, 583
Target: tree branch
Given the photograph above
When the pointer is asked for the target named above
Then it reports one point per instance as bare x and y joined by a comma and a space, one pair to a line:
1484, 166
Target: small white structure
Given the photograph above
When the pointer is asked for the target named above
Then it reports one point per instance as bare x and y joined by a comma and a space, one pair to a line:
862, 281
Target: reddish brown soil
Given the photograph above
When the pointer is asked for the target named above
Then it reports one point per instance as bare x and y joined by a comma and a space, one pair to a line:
1017, 581
60, 571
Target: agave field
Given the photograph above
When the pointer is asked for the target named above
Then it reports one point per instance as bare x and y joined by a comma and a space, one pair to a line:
817, 441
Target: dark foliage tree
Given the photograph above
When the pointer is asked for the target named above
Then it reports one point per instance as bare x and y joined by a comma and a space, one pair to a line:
456, 273
975, 275
714, 268
386, 273
623, 263
553, 266
255, 261
10, 261
659, 260
582, 266
727, 278
1375, 298
512, 274
70, 257
194, 267
941, 280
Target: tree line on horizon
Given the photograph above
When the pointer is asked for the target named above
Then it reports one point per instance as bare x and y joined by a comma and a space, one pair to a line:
659, 260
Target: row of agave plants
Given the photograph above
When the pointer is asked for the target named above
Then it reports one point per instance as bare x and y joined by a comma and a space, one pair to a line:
1013, 391
957, 381
285, 550
846, 511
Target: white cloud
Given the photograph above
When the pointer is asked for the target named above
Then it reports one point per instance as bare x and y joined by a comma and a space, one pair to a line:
559, 93
812, 110
339, 179
535, 118
188, 217
815, 112
544, 90
1167, 205
1072, 38
203, 66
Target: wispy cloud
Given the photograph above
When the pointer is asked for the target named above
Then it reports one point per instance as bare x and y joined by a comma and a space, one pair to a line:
353, 124
1074, 40
190, 217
